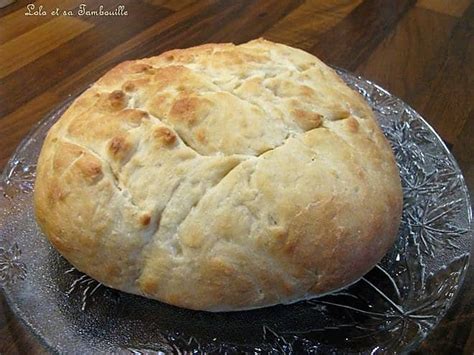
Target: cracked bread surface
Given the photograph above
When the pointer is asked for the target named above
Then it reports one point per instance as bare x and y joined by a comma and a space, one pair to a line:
220, 177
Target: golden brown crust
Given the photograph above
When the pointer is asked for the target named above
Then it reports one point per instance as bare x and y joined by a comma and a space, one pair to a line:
220, 177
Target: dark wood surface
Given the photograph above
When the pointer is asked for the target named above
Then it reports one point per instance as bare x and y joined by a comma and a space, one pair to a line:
421, 51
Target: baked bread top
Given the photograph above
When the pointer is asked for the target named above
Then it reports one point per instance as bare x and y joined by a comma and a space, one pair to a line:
220, 177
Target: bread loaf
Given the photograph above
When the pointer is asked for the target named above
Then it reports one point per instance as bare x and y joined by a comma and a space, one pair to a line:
220, 178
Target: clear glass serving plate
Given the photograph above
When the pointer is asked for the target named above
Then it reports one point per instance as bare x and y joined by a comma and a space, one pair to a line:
392, 308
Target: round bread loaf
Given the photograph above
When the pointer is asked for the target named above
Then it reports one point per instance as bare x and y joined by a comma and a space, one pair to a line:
220, 178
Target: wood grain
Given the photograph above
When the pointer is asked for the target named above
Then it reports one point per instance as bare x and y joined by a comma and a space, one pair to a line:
422, 51
106, 33
453, 8
407, 52
301, 26
17, 25
174, 5
449, 100
34, 44
352, 41
19, 4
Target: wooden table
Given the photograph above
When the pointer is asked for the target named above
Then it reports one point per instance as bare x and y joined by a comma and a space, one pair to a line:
421, 51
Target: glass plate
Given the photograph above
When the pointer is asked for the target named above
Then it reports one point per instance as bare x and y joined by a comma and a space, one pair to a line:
391, 309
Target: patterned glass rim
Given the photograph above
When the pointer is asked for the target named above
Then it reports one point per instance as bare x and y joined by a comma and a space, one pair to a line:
10, 164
